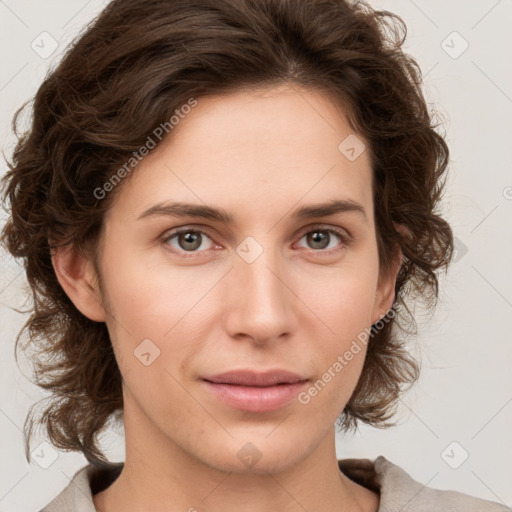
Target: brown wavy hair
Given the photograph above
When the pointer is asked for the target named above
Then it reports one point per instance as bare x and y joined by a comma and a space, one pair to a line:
124, 75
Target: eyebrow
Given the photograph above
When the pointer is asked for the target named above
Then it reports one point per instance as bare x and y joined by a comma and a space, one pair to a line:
179, 209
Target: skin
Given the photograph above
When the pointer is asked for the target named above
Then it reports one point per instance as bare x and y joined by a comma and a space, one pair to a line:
259, 155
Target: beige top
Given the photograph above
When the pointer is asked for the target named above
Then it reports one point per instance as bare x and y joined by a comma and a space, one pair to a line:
398, 491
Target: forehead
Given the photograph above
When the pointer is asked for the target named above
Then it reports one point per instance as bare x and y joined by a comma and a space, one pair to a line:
252, 151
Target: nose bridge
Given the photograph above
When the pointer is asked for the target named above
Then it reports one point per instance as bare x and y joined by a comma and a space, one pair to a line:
260, 308
259, 275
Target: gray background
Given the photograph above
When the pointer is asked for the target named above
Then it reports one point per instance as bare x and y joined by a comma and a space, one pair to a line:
462, 405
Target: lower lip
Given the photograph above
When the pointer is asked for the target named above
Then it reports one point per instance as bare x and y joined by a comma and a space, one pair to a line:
255, 399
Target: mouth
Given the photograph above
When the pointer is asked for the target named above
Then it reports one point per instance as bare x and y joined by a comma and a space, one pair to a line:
255, 379
255, 392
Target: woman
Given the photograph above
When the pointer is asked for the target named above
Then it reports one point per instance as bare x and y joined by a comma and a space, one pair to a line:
223, 207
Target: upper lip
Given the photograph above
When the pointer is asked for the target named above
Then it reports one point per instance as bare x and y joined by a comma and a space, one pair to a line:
252, 378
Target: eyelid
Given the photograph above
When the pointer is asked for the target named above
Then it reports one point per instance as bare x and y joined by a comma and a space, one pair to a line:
342, 232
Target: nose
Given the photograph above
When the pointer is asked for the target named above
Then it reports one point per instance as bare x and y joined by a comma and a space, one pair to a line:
260, 300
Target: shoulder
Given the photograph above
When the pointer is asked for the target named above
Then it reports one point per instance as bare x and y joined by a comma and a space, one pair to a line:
399, 491
78, 494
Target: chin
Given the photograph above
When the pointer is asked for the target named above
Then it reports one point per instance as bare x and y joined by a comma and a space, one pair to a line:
253, 455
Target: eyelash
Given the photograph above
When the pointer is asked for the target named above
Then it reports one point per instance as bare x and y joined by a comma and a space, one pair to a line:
345, 239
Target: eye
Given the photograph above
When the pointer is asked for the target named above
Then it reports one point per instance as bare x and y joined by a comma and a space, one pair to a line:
191, 240
320, 239
188, 240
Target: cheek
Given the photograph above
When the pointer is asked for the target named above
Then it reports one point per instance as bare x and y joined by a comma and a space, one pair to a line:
151, 296
157, 313
344, 312
342, 298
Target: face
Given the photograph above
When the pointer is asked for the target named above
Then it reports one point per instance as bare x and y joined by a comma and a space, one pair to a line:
268, 289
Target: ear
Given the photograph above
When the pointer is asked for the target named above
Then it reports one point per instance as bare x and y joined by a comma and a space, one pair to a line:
78, 278
385, 295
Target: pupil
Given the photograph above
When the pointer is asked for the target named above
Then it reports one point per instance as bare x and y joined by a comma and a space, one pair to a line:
191, 238
318, 237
